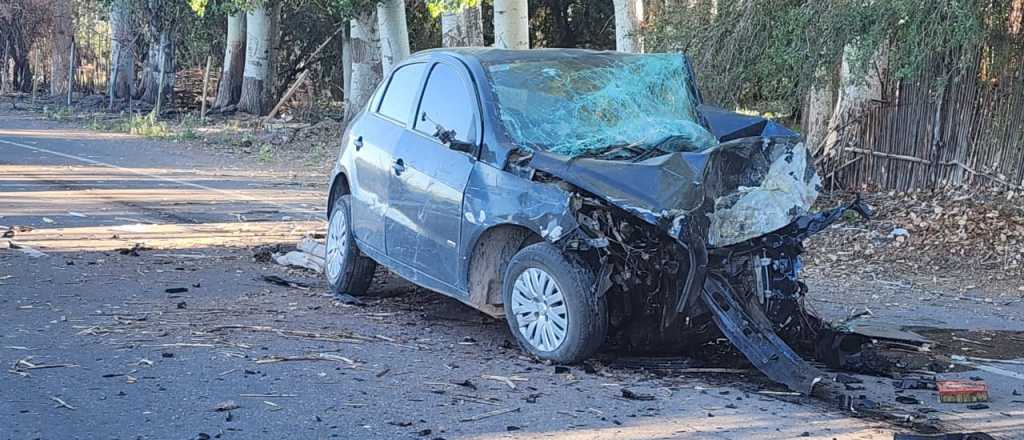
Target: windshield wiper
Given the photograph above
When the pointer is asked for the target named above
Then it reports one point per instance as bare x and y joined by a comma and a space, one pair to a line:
630, 149
655, 148
651, 152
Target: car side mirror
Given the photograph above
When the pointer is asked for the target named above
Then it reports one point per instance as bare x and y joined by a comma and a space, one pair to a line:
463, 146
447, 136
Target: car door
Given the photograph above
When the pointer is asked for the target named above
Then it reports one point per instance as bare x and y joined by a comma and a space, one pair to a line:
424, 216
375, 137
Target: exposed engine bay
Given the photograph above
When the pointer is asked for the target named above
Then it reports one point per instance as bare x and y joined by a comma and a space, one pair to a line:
690, 246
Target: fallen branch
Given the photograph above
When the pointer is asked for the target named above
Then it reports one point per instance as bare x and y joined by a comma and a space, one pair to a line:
347, 337
24, 364
316, 357
61, 403
268, 395
485, 415
475, 399
302, 76
505, 380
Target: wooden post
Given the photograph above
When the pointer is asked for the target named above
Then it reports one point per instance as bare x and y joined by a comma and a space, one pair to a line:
71, 72
206, 80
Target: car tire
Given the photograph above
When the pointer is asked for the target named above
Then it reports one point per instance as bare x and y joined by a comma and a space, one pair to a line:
584, 325
347, 269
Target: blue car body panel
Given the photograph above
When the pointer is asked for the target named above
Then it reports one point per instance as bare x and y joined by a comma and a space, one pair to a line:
425, 221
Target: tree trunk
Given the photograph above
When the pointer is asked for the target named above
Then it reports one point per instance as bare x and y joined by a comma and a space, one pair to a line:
122, 57
271, 83
816, 114
366, 63
346, 61
257, 60
628, 17
63, 37
511, 24
230, 87
394, 33
462, 28
160, 63
856, 96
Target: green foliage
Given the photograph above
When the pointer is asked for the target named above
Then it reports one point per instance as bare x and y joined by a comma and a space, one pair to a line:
198, 6
266, 153
768, 53
438, 7
61, 114
142, 125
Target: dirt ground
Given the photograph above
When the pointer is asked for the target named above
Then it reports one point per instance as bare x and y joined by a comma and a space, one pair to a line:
186, 337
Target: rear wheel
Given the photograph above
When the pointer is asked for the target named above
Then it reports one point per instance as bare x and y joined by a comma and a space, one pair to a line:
551, 306
347, 269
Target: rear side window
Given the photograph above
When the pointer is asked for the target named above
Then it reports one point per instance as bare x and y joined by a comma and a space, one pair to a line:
448, 102
401, 92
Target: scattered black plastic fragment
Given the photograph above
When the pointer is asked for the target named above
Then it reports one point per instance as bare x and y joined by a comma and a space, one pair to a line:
274, 279
632, 395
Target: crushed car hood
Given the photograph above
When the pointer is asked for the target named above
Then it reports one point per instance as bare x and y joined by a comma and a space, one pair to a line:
731, 193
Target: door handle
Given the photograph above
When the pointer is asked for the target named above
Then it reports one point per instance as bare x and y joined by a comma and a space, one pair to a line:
399, 167
358, 143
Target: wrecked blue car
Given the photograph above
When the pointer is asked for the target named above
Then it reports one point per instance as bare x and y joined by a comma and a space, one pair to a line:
589, 198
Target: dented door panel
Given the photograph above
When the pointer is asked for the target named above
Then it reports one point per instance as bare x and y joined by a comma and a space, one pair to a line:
425, 210
496, 197
370, 153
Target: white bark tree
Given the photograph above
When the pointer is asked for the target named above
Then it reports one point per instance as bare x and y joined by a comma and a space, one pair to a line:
394, 33
462, 27
122, 57
159, 74
230, 87
511, 24
366, 62
817, 113
628, 20
856, 95
63, 38
346, 60
257, 61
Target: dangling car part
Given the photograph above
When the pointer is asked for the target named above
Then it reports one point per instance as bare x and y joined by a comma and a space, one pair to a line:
590, 198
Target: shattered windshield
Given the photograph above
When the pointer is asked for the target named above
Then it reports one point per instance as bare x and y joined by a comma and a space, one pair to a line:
600, 104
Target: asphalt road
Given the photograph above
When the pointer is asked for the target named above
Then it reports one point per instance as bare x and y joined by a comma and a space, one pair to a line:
184, 339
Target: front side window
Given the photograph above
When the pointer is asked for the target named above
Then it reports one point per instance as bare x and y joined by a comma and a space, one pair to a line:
401, 92
447, 102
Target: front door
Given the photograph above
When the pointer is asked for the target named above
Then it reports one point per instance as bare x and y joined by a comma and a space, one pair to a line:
428, 178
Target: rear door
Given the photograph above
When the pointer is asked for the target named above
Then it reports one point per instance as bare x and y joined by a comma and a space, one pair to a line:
375, 137
424, 218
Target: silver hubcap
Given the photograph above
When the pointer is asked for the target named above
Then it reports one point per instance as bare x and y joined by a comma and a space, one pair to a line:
337, 245
539, 310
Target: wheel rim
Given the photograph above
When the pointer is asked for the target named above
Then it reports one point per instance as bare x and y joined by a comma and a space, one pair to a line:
539, 309
337, 245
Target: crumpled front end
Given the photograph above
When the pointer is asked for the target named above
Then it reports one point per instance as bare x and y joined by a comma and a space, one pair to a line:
780, 185
693, 245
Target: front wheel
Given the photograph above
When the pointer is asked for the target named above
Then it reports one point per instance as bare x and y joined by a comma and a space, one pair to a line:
551, 305
347, 269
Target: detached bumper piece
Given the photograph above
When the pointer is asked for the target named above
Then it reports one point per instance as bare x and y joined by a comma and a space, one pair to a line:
742, 318
751, 332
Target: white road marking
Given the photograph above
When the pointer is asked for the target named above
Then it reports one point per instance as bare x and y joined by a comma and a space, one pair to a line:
236, 195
